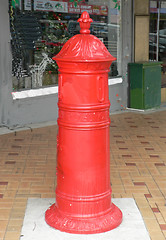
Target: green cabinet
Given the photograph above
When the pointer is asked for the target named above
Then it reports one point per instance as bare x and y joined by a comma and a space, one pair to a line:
144, 85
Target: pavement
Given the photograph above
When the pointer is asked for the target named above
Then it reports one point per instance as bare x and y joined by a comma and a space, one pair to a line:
138, 168
36, 228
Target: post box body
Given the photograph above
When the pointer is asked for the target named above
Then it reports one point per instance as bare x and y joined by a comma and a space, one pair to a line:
83, 193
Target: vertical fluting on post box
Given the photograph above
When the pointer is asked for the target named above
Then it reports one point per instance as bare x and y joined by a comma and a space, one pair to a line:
83, 193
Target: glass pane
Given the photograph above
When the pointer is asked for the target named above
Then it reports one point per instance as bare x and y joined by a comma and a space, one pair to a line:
39, 30
153, 30
162, 41
157, 36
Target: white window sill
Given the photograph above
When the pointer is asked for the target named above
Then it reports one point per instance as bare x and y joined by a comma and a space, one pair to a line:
50, 90
34, 92
113, 81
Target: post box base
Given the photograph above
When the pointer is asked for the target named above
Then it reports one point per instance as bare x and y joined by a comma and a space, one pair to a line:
82, 225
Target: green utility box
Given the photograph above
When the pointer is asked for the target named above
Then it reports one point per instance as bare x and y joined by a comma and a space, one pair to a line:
144, 85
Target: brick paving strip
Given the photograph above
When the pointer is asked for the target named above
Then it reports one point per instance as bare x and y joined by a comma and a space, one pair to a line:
138, 170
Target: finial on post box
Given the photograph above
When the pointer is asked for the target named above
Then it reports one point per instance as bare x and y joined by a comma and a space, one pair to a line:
85, 22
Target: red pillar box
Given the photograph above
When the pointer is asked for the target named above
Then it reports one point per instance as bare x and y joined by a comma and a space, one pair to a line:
83, 193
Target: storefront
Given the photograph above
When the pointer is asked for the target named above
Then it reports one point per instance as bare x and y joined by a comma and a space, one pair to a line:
36, 31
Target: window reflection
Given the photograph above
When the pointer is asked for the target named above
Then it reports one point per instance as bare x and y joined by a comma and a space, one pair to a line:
39, 30
157, 35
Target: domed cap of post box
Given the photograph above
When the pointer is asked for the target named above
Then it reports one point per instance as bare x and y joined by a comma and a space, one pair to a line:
84, 47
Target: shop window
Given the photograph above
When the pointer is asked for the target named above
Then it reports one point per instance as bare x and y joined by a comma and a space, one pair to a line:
157, 35
39, 29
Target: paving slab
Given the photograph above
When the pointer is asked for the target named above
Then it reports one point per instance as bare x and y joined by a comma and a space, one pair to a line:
35, 227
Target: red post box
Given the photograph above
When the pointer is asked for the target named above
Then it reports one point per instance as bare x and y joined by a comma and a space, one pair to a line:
83, 193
